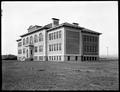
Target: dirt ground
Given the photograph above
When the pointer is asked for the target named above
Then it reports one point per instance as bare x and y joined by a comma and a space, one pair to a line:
36, 75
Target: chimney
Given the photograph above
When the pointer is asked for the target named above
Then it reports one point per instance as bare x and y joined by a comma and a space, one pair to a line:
55, 22
76, 24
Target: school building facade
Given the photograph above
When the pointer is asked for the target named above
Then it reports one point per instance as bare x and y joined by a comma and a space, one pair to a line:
58, 42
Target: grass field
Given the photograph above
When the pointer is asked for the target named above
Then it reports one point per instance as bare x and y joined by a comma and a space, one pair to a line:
35, 75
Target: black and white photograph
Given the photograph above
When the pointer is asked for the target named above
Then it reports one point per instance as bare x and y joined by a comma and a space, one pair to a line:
59, 45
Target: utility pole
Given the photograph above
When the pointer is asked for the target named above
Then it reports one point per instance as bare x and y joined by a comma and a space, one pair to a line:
107, 51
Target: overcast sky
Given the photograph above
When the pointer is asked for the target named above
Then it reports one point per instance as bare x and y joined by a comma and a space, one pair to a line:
100, 16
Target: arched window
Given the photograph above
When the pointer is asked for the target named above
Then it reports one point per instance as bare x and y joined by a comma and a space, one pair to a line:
35, 39
27, 40
40, 37
24, 41
31, 40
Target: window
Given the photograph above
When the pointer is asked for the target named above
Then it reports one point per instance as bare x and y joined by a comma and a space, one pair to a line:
49, 47
96, 39
40, 58
35, 39
89, 48
54, 47
86, 38
27, 53
20, 51
40, 48
49, 57
90, 38
54, 35
40, 37
31, 40
49, 36
23, 50
19, 44
85, 48
27, 40
54, 57
59, 34
36, 49
93, 39
59, 57
35, 58
24, 41
59, 46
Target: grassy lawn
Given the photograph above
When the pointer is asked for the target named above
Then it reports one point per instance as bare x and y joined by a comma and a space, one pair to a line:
35, 75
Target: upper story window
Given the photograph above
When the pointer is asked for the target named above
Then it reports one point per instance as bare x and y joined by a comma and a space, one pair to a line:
23, 50
40, 37
24, 41
96, 39
35, 39
20, 51
19, 44
54, 35
27, 40
59, 34
49, 47
50, 36
54, 47
84, 37
59, 46
31, 40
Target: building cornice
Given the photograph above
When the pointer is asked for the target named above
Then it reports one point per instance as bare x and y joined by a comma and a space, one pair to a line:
18, 40
84, 30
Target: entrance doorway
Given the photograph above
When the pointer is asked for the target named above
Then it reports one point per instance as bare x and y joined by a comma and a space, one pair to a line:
31, 54
68, 58
76, 58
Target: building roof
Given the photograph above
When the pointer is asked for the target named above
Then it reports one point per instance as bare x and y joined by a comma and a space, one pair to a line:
18, 40
49, 28
74, 26
85, 30
33, 31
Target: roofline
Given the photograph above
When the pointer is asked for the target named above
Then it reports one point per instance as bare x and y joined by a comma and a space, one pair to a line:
65, 25
77, 27
86, 31
32, 32
62, 25
18, 40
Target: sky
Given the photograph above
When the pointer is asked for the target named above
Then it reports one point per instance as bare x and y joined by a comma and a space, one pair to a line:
99, 16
